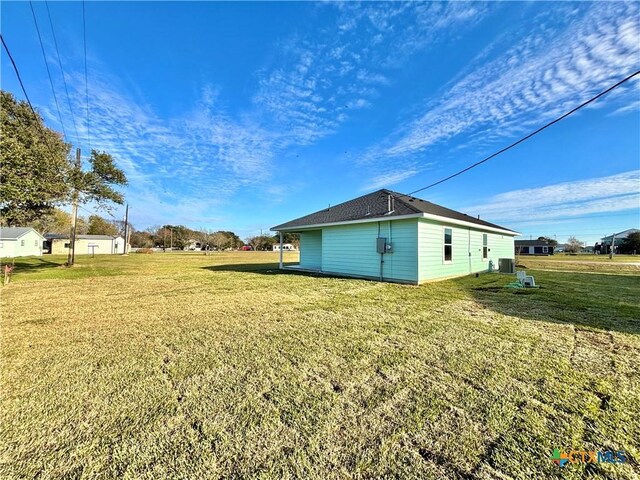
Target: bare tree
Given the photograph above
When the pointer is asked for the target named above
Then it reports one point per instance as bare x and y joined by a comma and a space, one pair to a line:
574, 245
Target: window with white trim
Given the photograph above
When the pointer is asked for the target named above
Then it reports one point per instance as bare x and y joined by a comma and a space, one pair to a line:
448, 245
545, 249
22, 243
485, 246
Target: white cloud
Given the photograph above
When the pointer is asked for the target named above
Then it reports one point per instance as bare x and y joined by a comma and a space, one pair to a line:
389, 178
564, 200
544, 75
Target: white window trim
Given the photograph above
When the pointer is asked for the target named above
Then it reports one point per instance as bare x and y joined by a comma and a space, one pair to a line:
447, 262
545, 249
483, 246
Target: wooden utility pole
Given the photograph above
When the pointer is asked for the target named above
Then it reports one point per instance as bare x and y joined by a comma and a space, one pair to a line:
126, 228
74, 214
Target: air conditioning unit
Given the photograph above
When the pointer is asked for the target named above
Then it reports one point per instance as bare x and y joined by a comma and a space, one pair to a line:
506, 265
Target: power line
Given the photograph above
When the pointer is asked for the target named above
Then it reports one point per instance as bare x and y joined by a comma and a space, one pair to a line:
15, 67
66, 89
86, 82
46, 64
562, 117
24, 91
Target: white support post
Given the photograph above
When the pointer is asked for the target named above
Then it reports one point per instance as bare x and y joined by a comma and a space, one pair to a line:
280, 250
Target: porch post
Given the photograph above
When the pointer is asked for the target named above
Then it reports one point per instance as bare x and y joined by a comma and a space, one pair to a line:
280, 250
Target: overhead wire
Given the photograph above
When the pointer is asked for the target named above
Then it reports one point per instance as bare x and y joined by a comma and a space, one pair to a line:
26, 96
86, 81
46, 64
64, 81
547, 125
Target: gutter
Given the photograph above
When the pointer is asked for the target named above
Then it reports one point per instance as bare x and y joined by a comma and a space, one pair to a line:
427, 216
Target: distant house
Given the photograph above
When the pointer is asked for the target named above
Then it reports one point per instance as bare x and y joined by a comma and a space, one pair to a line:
390, 236
20, 242
604, 246
533, 247
286, 247
85, 244
192, 245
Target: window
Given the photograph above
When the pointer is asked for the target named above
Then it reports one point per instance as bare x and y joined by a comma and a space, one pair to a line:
485, 246
22, 243
67, 245
545, 249
448, 244
35, 243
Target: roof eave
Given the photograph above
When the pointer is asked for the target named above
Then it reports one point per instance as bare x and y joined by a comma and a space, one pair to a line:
429, 216
280, 228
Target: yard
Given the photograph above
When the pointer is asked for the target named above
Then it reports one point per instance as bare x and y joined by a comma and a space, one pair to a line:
194, 366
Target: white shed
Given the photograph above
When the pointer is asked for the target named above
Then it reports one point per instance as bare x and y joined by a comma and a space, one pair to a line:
20, 242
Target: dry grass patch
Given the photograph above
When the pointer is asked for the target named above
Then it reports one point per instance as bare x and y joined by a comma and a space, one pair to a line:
193, 366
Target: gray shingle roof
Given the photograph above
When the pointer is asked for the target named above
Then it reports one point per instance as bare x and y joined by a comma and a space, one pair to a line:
11, 233
531, 243
375, 206
59, 236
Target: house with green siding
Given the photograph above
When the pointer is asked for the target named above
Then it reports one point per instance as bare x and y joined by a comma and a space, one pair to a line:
394, 237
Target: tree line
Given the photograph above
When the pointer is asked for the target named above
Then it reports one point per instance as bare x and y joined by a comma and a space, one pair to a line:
39, 171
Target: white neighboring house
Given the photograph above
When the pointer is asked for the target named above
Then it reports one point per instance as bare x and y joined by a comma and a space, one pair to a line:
286, 247
85, 244
20, 242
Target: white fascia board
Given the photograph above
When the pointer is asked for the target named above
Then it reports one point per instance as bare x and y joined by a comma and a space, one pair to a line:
427, 216
348, 222
454, 221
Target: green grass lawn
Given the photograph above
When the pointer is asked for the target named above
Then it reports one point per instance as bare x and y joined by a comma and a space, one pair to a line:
193, 366
619, 264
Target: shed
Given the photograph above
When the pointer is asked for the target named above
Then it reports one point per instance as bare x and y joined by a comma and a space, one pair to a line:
533, 247
391, 236
85, 244
20, 242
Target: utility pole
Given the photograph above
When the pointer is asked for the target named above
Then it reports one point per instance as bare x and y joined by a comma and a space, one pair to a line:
126, 228
74, 214
613, 246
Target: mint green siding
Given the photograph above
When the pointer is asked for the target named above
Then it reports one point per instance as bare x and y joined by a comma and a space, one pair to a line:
351, 250
467, 250
311, 249
418, 250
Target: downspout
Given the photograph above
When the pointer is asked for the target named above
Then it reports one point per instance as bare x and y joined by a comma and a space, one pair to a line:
469, 249
381, 256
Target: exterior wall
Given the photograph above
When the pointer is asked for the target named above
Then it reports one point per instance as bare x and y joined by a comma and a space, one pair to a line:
351, 250
467, 250
7, 248
311, 249
534, 250
82, 246
28, 245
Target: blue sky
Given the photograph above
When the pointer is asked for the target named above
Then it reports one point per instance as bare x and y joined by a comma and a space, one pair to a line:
245, 115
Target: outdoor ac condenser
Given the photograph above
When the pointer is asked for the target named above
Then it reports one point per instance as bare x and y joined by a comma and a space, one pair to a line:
506, 265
